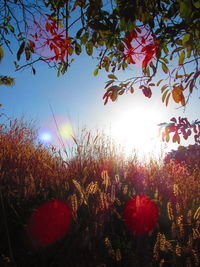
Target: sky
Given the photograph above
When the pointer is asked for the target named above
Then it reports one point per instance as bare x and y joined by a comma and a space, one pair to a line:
76, 101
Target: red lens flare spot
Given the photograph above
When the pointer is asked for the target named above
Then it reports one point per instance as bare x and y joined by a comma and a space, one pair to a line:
140, 47
49, 223
140, 215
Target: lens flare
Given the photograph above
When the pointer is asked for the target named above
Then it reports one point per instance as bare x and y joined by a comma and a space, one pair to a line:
45, 137
66, 130
49, 223
140, 215
56, 131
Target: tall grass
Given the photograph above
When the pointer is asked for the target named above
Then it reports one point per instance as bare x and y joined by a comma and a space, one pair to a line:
96, 181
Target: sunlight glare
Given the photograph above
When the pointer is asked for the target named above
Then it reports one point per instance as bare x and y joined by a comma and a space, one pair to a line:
136, 129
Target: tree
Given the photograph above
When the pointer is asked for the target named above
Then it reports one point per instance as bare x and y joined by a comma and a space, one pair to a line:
159, 36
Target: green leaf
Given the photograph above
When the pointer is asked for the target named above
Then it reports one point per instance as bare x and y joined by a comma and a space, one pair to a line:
181, 58
159, 82
164, 95
84, 38
148, 71
165, 60
112, 76
79, 32
78, 49
196, 3
189, 50
185, 9
96, 71
1, 53
165, 68
21, 50
176, 50
11, 28
186, 38
165, 49
164, 87
89, 48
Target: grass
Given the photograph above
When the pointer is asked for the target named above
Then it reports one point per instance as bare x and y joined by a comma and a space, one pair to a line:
96, 181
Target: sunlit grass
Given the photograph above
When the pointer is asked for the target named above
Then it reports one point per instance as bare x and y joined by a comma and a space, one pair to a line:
95, 179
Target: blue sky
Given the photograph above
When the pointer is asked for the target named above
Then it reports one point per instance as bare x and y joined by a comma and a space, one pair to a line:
76, 99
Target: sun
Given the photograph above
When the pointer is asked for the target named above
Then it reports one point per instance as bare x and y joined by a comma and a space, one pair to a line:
136, 129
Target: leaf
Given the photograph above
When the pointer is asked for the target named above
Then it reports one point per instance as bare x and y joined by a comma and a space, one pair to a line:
27, 53
165, 49
147, 92
173, 120
79, 32
108, 83
11, 28
21, 50
189, 51
164, 95
183, 100
177, 94
165, 60
114, 88
151, 84
159, 82
33, 70
167, 99
185, 9
164, 87
84, 38
191, 85
196, 3
114, 95
165, 68
112, 76
6, 80
78, 49
96, 71
181, 58
176, 50
89, 48
186, 38
56, 51
1, 53
175, 138
167, 137
132, 90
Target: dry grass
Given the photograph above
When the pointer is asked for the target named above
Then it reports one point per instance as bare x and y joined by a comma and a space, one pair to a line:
96, 182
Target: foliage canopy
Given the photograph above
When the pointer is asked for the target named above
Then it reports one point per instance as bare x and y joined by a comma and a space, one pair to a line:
150, 35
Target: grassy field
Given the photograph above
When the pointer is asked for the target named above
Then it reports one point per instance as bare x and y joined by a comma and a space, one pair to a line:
96, 182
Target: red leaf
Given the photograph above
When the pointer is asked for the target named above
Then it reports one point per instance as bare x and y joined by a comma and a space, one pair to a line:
147, 92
